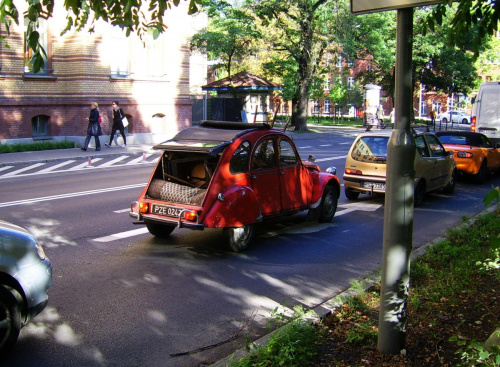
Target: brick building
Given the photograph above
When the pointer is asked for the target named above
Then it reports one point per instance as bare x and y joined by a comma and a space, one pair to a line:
151, 80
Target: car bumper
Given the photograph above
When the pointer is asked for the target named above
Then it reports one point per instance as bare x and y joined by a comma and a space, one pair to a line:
366, 184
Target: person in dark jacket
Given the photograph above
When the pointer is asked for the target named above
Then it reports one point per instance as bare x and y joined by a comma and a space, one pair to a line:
93, 128
118, 116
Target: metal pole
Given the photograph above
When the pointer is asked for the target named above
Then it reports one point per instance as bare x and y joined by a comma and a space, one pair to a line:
398, 214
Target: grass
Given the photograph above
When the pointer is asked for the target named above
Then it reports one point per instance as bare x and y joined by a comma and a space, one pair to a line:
29, 147
453, 297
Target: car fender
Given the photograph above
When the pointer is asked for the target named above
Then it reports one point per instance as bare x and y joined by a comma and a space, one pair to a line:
235, 206
324, 179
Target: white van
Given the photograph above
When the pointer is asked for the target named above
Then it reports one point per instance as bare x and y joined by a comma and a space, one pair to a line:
486, 112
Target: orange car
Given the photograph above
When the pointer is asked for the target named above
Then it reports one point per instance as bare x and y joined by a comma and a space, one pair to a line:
474, 153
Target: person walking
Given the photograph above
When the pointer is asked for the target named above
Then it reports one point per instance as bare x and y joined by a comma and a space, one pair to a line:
93, 128
118, 116
433, 118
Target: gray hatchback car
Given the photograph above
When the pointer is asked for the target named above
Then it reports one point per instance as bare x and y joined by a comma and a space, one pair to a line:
25, 277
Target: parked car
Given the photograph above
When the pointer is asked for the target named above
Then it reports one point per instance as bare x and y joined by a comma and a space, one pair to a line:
457, 117
474, 153
365, 167
486, 114
25, 277
232, 175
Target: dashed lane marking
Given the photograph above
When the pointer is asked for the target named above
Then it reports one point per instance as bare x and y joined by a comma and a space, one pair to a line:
122, 235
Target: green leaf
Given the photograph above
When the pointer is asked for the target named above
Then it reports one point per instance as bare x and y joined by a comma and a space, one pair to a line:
491, 196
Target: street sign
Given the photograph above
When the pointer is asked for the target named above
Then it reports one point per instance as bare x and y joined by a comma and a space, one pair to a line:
370, 6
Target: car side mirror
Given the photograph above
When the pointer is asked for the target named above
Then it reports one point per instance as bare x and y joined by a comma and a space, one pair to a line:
450, 153
332, 170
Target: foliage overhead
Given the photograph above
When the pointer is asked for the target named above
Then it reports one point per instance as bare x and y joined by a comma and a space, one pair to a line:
136, 16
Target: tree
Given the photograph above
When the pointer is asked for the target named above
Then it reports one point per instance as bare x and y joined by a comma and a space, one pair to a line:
229, 35
134, 16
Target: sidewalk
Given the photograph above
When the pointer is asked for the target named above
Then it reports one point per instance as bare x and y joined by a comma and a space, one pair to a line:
12, 159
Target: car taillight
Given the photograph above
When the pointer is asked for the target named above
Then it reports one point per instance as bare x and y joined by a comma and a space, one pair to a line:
350, 171
143, 207
473, 124
188, 215
464, 155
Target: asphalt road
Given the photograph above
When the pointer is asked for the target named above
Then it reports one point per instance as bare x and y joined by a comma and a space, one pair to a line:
120, 297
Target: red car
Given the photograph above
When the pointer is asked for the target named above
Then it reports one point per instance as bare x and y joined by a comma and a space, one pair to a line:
232, 175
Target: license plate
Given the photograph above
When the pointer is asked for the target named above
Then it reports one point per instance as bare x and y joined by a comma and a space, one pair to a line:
374, 185
170, 211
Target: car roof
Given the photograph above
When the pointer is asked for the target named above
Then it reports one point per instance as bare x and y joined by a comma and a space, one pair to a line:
388, 133
473, 138
211, 137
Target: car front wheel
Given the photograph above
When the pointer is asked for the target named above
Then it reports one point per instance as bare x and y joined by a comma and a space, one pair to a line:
238, 238
328, 205
160, 230
10, 320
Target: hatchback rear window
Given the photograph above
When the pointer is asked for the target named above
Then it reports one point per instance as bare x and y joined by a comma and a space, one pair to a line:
371, 149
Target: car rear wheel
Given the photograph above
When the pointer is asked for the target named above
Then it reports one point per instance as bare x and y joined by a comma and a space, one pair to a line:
419, 193
10, 319
160, 230
238, 238
328, 205
450, 187
464, 121
351, 194
482, 175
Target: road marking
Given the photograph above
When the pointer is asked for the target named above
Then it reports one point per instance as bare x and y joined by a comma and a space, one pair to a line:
325, 145
49, 169
122, 235
120, 158
330, 158
309, 146
21, 170
4, 168
70, 195
140, 159
86, 164
121, 211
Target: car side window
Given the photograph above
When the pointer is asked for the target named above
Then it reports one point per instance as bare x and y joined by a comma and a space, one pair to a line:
421, 146
435, 146
287, 154
485, 142
239, 160
264, 156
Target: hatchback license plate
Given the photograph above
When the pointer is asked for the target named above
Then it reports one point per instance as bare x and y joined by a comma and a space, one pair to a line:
170, 211
374, 185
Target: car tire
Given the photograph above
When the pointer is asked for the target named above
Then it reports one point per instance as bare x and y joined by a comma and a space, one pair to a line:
450, 187
482, 175
464, 121
328, 205
444, 120
10, 319
351, 194
238, 238
160, 230
419, 194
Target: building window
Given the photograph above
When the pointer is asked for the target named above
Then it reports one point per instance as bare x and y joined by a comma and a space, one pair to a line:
315, 106
41, 27
369, 68
436, 106
40, 126
350, 83
120, 58
327, 106
339, 61
350, 63
327, 84
154, 58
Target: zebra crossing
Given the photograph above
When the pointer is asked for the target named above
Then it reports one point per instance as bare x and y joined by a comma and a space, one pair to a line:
69, 165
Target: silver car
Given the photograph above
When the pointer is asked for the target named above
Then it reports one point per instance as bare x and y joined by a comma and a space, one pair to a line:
25, 277
457, 117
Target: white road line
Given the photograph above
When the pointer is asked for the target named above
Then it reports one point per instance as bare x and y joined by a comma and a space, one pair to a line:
139, 159
4, 168
120, 158
70, 195
121, 211
325, 145
21, 170
45, 170
330, 158
305, 147
83, 165
119, 236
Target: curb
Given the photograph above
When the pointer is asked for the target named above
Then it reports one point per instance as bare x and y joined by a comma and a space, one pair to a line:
333, 303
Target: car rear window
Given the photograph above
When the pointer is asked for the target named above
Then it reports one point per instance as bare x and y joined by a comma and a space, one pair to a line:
453, 139
370, 149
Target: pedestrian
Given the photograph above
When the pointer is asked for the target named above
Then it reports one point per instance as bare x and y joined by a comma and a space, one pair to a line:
93, 128
433, 118
118, 116
380, 116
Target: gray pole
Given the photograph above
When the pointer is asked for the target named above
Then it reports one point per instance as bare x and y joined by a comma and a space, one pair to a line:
398, 214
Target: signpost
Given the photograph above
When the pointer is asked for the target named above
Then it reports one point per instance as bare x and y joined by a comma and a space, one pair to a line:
398, 213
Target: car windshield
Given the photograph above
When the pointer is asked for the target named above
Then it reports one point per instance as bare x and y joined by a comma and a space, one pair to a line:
371, 149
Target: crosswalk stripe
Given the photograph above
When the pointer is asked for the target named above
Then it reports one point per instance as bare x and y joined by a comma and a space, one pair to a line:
118, 236
110, 163
80, 166
13, 173
139, 159
49, 169
5, 167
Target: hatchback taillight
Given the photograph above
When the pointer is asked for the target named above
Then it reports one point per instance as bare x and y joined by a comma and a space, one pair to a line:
351, 171
473, 124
